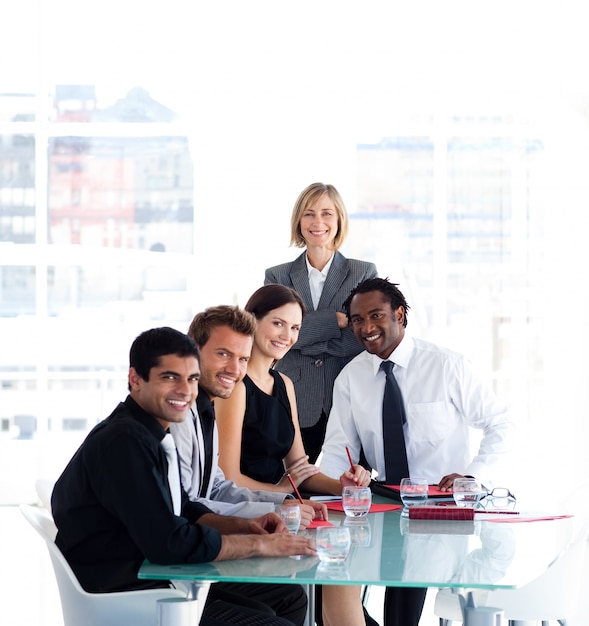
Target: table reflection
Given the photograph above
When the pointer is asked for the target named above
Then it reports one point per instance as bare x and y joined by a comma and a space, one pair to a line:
390, 550
477, 553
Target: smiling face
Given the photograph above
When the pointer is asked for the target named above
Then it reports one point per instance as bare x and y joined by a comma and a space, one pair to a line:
171, 389
319, 223
223, 361
377, 326
278, 330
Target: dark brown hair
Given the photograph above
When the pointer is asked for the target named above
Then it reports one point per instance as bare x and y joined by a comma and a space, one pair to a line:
270, 297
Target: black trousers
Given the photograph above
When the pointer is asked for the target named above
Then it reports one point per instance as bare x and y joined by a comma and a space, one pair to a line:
313, 437
275, 604
403, 606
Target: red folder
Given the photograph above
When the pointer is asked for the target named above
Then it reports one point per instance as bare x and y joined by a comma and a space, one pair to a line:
441, 513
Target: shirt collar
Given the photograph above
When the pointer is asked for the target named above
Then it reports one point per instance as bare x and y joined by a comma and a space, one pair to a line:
204, 403
324, 271
148, 420
400, 356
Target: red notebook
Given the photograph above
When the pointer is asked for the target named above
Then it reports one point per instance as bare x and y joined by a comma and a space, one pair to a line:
441, 513
318, 522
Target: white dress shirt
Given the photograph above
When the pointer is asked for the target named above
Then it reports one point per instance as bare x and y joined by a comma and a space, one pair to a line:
222, 496
443, 401
317, 280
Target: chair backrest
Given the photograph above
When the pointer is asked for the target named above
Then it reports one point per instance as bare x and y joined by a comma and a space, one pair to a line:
44, 488
552, 596
93, 609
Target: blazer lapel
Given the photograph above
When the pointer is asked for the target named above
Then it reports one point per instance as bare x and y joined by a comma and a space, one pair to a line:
299, 276
334, 280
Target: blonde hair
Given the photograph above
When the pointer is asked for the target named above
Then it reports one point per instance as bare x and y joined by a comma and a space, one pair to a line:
307, 198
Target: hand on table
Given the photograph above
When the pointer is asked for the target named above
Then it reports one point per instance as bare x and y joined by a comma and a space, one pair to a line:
447, 481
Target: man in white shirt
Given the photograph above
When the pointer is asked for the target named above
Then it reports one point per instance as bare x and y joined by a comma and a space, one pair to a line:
442, 400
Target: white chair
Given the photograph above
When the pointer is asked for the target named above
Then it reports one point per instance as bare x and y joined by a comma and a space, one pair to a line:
552, 596
94, 609
44, 488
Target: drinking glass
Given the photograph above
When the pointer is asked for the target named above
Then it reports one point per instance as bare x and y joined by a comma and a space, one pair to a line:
360, 531
413, 492
356, 501
467, 492
291, 516
332, 543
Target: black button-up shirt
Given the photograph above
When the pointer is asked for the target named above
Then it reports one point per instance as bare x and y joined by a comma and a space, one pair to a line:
113, 508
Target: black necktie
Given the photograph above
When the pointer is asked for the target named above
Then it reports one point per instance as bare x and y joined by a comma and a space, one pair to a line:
393, 418
207, 424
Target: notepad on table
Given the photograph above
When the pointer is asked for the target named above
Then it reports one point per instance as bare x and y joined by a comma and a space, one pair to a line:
441, 513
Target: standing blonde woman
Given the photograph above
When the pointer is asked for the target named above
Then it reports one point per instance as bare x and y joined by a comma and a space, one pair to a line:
324, 278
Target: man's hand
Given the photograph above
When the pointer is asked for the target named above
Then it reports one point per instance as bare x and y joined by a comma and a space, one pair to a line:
266, 524
277, 544
360, 477
230, 525
447, 482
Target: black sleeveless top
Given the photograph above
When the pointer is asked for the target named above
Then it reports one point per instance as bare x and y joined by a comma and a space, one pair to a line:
268, 431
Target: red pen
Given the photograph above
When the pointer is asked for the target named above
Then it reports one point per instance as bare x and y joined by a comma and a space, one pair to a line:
350, 459
295, 489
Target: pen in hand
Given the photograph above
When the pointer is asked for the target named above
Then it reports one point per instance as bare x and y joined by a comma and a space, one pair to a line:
295, 489
350, 459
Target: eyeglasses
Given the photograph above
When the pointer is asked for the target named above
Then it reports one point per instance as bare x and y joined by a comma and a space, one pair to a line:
498, 498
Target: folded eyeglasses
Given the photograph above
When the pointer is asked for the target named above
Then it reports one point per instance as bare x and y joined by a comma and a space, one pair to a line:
498, 498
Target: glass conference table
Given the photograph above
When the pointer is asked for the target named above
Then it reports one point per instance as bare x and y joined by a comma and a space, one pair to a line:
391, 550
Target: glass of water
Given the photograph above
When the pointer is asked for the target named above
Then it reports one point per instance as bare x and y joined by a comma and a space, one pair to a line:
332, 543
467, 492
356, 501
291, 516
413, 492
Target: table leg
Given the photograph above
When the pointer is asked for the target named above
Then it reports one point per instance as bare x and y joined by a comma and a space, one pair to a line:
480, 615
196, 595
196, 589
310, 590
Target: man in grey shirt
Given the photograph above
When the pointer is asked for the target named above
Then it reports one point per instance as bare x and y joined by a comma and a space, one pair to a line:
224, 335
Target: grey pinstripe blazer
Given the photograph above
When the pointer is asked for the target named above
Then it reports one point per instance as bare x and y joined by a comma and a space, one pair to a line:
322, 349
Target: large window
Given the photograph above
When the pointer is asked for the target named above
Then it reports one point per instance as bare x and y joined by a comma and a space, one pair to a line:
150, 156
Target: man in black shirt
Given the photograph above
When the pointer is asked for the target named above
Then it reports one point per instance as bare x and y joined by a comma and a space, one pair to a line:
113, 506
